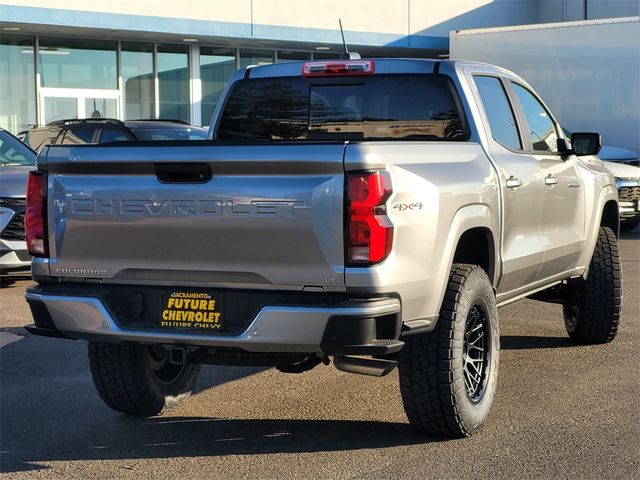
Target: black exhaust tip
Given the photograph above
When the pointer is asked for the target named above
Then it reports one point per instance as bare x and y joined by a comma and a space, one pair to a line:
375, 367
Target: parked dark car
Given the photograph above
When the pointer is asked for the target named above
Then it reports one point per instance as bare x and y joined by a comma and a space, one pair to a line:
104, 130
16, 160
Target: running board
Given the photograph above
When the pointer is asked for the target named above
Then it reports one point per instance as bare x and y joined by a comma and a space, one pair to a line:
364, 366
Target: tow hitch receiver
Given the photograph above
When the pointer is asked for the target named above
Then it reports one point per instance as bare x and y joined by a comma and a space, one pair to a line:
177, 356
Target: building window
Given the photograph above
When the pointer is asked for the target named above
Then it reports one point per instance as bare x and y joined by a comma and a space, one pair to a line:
17, 88
255, 57
292, 56
216, 67
136, 69
58, 108
66, 63
100, 107
173, 81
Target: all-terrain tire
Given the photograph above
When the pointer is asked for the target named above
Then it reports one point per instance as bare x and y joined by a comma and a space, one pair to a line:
593, 313
132, 378
432, 366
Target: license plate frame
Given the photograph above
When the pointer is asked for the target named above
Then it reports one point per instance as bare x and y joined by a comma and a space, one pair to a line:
190, 310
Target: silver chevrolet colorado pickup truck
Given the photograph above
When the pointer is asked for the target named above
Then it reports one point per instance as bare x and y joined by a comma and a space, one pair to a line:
373, 212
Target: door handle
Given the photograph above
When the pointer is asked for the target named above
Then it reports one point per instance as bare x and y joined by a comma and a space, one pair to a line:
550, 180
513, 182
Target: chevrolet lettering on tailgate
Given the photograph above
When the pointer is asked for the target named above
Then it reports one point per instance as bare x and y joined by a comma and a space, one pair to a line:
159, 208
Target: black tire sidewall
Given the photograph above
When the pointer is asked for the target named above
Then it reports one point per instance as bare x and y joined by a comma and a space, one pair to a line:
123, 377
431, 365
593, 313
477, 290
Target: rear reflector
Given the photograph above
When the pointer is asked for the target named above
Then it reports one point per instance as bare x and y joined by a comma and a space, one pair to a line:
34, 216
338, 68
369, 229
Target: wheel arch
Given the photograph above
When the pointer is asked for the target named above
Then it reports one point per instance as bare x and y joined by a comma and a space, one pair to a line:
470, 223
477, 246
611, 217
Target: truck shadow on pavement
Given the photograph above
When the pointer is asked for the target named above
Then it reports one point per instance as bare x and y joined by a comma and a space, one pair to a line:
180, 437
8, 281
517, 342
631, 235
52, 413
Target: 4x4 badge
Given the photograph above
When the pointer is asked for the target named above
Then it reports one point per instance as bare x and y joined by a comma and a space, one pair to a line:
402, 207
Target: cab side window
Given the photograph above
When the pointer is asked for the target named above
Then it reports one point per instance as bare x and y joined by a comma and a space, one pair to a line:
544, 136
502, 121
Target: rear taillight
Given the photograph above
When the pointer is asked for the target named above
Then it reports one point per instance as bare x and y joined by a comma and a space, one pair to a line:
369, 229
34, 216
338, 68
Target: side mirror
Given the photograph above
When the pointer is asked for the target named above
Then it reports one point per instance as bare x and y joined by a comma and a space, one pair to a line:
586, 143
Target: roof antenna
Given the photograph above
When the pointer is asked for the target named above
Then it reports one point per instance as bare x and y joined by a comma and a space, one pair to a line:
347, 55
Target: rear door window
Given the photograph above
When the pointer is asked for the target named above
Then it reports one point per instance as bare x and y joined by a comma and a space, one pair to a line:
502, 121
382, 107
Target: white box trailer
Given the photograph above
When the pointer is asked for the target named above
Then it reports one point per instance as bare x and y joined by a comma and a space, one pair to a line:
588, 72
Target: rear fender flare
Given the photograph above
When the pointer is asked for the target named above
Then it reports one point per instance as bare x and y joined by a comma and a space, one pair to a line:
465, 219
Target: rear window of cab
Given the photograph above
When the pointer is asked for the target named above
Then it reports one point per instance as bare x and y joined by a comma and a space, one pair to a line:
377, 107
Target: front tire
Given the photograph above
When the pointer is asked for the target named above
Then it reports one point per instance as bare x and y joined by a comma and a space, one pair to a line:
138, 379
592, 314
448, 377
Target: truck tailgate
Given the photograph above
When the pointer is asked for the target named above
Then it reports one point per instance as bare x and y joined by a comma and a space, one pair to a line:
260, 216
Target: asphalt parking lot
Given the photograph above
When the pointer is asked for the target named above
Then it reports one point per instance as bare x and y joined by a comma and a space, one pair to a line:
561, 411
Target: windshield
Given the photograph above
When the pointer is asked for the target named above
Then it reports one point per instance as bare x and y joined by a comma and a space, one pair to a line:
379, 107
14, 152
177, 133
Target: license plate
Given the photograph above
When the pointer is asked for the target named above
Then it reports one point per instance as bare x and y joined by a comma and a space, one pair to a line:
192, 310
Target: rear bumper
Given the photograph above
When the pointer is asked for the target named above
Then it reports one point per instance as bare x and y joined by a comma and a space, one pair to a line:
358, 327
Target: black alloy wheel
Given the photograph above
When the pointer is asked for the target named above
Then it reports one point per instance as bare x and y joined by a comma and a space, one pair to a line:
475, 353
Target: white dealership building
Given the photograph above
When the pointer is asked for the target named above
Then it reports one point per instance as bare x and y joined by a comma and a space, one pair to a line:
161, 59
